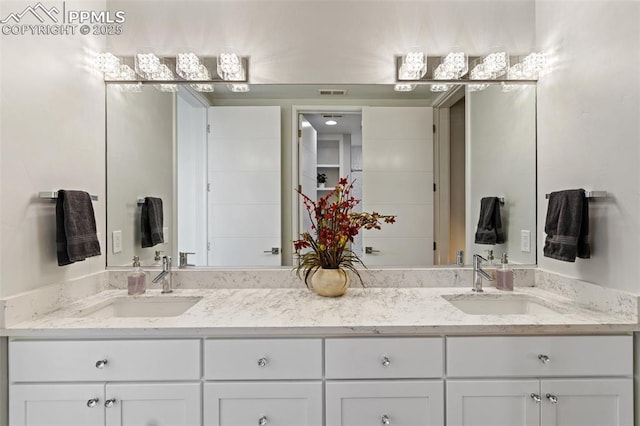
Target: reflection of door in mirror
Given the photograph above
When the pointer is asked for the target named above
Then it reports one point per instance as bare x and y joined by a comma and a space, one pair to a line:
244, 186
388, 151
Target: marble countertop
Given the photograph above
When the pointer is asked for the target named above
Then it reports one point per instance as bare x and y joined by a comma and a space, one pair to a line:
299, 312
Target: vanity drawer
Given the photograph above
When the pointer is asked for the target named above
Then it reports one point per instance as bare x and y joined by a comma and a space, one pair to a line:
262, 359
83, 360
399, 403
539, 356
262, 403
384, 358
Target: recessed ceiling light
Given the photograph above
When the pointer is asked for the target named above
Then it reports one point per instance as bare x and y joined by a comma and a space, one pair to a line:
331, 122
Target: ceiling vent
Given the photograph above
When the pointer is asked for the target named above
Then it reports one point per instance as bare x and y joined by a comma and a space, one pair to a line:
332, 92
331, 115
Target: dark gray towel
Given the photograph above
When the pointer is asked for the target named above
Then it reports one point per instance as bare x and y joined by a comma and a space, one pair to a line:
567, 226
76, 236
151, 222
489, 229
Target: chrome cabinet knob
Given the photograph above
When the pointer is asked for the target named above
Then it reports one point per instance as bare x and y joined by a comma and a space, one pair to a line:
262, 421
386, 361
109, 402
552, 398
544, 359
536, 397
92, 402
262, 362
101, 363
385, 420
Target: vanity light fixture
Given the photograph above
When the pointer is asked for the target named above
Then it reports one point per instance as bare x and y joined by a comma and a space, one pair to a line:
443, 72
163, 73
456, 64
106, 62
126, 73
404, 87
414, 66
496, 64
147, 64
230, 67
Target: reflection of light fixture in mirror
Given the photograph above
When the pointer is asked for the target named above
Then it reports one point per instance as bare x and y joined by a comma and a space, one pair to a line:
414, 66
404, 87
440, 87
238, 88
496, 64
203, 87
230, 67
331, 122
147, 64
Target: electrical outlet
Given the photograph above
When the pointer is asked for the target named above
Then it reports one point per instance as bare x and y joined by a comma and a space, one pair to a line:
165, 234
525, 241
116, 242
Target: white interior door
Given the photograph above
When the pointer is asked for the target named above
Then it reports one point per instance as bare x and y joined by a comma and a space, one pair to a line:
244, 186
397, 157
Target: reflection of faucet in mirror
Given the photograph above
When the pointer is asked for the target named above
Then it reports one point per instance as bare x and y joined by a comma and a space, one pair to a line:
479, 273
165, 275
184, 259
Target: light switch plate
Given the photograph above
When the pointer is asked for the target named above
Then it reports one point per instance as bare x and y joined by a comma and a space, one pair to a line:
525, 241
165, 234
116, 242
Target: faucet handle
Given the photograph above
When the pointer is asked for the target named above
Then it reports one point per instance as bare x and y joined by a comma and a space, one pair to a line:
184, 259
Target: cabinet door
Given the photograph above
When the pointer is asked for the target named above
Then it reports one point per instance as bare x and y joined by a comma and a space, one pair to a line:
56, 405
264, 403
493, 403
398, 403
588, 402
157, 404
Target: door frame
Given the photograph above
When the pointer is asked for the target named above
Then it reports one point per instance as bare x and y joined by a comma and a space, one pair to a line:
296, 110
441, 175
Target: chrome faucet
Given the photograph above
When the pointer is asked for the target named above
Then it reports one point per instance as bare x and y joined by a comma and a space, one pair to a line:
165, 275
479, 273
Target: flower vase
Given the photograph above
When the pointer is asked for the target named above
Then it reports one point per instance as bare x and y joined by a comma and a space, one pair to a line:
330, 282
321, 185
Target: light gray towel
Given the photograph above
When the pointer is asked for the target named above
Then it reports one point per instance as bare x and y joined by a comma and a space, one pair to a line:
151, 222
76, 237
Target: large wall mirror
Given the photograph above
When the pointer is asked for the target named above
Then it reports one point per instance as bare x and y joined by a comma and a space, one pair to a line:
225, 166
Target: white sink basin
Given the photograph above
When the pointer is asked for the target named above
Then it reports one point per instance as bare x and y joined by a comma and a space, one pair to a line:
491, 304
131, 307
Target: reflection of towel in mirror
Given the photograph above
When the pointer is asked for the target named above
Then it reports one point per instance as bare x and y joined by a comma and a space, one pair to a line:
489, 230
151, 222
567, 226
76, 237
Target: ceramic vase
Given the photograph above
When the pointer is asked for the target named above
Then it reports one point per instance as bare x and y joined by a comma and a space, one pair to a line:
330, 282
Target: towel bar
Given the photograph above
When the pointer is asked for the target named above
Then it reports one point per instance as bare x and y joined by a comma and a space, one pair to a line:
140, 201
588, 194
52, 195
501, 200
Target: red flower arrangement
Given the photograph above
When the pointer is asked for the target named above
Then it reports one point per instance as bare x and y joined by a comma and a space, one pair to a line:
335, 225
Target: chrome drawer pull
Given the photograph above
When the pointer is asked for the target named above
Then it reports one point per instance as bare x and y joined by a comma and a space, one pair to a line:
92, 402
544, 359
386, 361
385, 420
101, 363
262, 362
109, 402
552, 398
262, 421
536, 397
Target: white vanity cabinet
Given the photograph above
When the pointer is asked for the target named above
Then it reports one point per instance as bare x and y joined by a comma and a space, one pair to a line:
76, 382
274, 382
544, 380
417, 399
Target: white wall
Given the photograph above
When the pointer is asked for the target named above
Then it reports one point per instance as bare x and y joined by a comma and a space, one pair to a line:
588, 135
501, 153
139, 164
320, 41
52, 137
